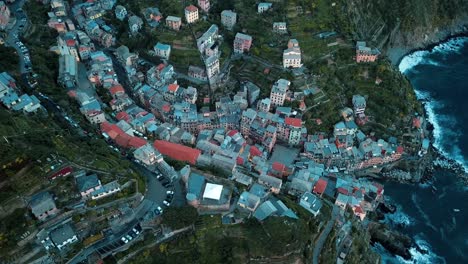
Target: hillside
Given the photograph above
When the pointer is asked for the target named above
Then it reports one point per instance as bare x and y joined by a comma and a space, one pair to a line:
401, 26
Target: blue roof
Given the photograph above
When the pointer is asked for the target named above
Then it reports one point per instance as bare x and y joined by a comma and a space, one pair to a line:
258, 190
264, 210
85, 183
195, 184
25, 100
162, 46
9, 98
5, 78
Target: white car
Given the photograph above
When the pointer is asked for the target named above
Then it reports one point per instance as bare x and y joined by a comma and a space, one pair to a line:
124, 240
135, 231
160, 209
166, 203
170, 192
129, 237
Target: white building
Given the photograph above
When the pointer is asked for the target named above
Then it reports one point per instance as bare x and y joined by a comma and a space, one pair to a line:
262, 7
191, 14
228, 19
278, 92
162, 50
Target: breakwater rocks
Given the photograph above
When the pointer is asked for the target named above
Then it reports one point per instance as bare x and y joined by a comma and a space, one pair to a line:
394, 242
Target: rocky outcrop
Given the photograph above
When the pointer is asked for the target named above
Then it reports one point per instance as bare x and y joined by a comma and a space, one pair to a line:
393, 241
400, 26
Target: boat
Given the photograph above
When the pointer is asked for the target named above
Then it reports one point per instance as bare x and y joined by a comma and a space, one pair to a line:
434, 189
456, 210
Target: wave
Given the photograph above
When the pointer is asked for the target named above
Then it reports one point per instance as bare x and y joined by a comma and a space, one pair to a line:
445, 132
421, 57
422, 254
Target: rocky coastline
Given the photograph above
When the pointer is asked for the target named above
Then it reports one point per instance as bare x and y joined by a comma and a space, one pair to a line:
410, 170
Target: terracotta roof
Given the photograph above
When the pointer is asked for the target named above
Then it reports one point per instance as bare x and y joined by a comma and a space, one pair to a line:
342, 190
358, 210
416, 122
166, 108
232, 133
254, 151
277, 166
400, 149
122, 116
71, 42
136, 142
320, 186
191, 8
177, 151
63, 172
173, 87
116, 89
295, 122
240, 160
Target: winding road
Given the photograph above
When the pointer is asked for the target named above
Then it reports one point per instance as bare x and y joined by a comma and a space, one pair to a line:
323, 236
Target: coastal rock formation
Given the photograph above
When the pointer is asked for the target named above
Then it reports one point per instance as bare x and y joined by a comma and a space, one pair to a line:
397, 27
395, 242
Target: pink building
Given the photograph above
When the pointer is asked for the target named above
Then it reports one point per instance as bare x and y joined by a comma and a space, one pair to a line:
242, 43
191, 14
204, 5
4, 15
364, 53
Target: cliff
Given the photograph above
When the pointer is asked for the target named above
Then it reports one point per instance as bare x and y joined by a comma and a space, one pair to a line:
400, 26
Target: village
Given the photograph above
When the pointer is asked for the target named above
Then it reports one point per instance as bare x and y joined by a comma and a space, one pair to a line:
232, 154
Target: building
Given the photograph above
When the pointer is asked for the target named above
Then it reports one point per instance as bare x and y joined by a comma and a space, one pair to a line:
274, 184
162, 50
359, 104
191, 14
311, 203
4, 15
177, 151
264, 105
262, 7
173, 22
228, 19
213, 191
242, 43
135, 23
148, 155
88, 184
292, 55
120, 12
365, 54
152, 16
106, 190
280, 27
278, 92
63, 236
204, 5
320, 186
295, 130
68, 71
197, 72
248, 201
212, 67
42, 205
206, 42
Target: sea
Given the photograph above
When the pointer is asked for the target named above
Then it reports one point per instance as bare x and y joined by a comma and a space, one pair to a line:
436, 218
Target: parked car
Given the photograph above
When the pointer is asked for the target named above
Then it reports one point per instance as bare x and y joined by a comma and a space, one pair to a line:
170, 192
166, 203
135, 231
160, 177
125, 240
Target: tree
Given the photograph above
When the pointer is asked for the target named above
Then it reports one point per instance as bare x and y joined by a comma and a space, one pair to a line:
179, 217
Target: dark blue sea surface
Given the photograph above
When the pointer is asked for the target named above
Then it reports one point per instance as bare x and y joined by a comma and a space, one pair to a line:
437, 220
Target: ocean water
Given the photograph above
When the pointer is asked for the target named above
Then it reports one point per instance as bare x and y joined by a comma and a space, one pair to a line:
437, 220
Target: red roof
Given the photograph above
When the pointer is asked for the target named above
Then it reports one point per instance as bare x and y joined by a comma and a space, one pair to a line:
63, 172
122, 116
161, 66
191, 8
70, 42
240, 160
358, 210
122, 140
177, 151
232, 133
173, 87
166, 108
320, 186
416, 122
400, 149
254, 151
116, 89
342, 190
136, 142
295, 122
277, 166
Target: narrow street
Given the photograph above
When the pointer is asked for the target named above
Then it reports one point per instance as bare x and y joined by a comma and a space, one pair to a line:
323, 236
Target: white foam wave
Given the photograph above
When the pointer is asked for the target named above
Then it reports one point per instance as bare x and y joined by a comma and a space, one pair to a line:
421, 57
446, 134
425, 255
398, 218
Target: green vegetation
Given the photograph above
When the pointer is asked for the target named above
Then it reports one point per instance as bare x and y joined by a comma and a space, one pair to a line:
11, 228
9, 61
179, 217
